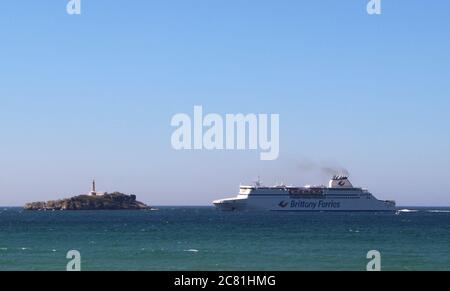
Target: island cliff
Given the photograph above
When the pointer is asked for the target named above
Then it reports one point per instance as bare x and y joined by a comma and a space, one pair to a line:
113, 201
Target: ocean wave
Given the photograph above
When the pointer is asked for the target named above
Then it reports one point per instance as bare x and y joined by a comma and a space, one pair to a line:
192, 250
408, 210
351, 230
425, 210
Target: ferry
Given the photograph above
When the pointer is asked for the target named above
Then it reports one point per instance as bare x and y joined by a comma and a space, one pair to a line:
339, 195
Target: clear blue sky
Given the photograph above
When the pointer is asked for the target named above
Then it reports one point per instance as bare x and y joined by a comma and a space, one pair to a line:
92, 95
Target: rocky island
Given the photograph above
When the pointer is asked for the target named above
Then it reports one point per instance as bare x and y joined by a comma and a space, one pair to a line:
113, 201
92, 201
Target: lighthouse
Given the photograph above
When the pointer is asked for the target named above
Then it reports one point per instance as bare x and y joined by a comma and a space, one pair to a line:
93, 191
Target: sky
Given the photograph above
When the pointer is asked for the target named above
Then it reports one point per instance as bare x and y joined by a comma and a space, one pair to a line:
92, 95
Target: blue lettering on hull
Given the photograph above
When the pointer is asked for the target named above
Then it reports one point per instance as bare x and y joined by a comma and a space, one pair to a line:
321, 204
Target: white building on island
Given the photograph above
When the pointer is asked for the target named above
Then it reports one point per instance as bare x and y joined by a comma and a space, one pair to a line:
94, 192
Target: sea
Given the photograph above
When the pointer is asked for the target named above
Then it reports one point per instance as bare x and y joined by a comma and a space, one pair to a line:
202, 238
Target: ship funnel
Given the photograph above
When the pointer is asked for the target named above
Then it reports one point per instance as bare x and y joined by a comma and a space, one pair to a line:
340, 182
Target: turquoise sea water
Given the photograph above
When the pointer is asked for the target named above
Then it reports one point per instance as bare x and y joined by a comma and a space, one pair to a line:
200, 238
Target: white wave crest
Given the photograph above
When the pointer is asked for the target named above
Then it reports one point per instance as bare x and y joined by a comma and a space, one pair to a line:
408, 210
439, 211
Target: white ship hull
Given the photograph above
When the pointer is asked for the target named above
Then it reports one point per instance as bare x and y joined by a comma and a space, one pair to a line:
284, 203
